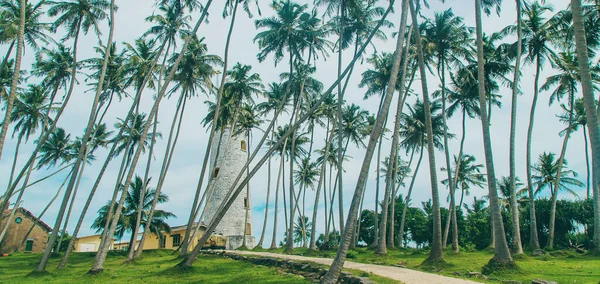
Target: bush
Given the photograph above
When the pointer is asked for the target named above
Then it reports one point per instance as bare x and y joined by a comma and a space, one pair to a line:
352, 254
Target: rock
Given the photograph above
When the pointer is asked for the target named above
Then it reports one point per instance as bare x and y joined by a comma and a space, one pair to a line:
474, 274
511, 282
456, 273
541, 281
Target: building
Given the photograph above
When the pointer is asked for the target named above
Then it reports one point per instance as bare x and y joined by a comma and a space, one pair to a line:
228, 157
166, 241
90, 243
17, 238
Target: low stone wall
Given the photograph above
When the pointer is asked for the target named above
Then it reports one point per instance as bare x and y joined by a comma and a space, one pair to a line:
305, 269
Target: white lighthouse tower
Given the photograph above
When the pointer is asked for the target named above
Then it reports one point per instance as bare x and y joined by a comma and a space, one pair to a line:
231, 156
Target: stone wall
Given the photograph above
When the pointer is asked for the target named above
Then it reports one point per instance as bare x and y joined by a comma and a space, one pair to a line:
230, 157
16, 232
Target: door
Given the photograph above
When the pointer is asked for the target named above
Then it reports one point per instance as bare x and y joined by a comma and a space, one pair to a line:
29, 246
87, 247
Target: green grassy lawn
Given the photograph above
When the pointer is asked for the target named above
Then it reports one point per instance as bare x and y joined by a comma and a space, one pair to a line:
558, 266
152, 268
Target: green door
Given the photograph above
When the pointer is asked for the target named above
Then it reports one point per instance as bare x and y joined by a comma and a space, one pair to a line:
29, 246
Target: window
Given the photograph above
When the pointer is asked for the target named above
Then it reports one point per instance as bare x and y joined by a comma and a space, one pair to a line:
18, 220
162, 241
215, 173
176, 240
29, 245
246, 202
248, 229
243, 145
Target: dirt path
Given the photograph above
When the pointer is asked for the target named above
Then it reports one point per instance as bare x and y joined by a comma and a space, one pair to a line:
404, 275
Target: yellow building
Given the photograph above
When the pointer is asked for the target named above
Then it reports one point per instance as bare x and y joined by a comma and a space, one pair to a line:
90, 243
166, 241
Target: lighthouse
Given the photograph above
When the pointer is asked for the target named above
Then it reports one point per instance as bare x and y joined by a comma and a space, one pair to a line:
229, 154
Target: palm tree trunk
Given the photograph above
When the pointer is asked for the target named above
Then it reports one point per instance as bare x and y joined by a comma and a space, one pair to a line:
14, 165
294, 118
274, 239
388, 201
187, 262
64, 230
313, 232
587, 163
264, 228
15, 79
17, 202
345, 239
163, 173
340, 102
559, 164
102, 252
407, 199
517, 247
589, 101
502, 253
533, 238
244, 233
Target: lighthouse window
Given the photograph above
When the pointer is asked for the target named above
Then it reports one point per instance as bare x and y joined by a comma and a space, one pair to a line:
245, 202
215, 173
243, 145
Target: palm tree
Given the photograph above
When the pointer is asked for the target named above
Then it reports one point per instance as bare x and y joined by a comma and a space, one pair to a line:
536, 41
306, 176
448, 37
468, 175
502, 253
15, 79
28, 115
590, 110
127, 221
546, 175
566, 84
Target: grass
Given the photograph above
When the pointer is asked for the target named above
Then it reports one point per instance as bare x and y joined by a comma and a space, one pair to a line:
557, 266
154, 267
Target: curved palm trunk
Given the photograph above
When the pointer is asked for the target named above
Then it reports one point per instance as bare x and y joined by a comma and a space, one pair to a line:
187, 262
17, 73
274, 239
264, 228
346, 237
559, 166
313, 232
64, 230
163, 175
54, 235
502, 253
534, 242
407, 199
98, 266
587, 163
14, 164
589, 101
340, 102
517, 247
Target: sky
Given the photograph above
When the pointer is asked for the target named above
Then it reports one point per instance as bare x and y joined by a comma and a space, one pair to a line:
181, 181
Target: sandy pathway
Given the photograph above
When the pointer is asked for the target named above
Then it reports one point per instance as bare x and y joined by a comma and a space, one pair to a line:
404, 275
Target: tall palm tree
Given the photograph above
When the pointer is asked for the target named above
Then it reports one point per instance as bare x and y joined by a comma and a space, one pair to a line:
502, 253
128, 222
306, 176
449, 38
15, 79
536, 40
592, 118
468, 175
546, 175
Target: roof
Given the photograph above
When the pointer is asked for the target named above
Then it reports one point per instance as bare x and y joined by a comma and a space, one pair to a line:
29, 215
180, 227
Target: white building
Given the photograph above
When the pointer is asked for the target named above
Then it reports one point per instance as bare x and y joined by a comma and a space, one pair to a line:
231, 156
